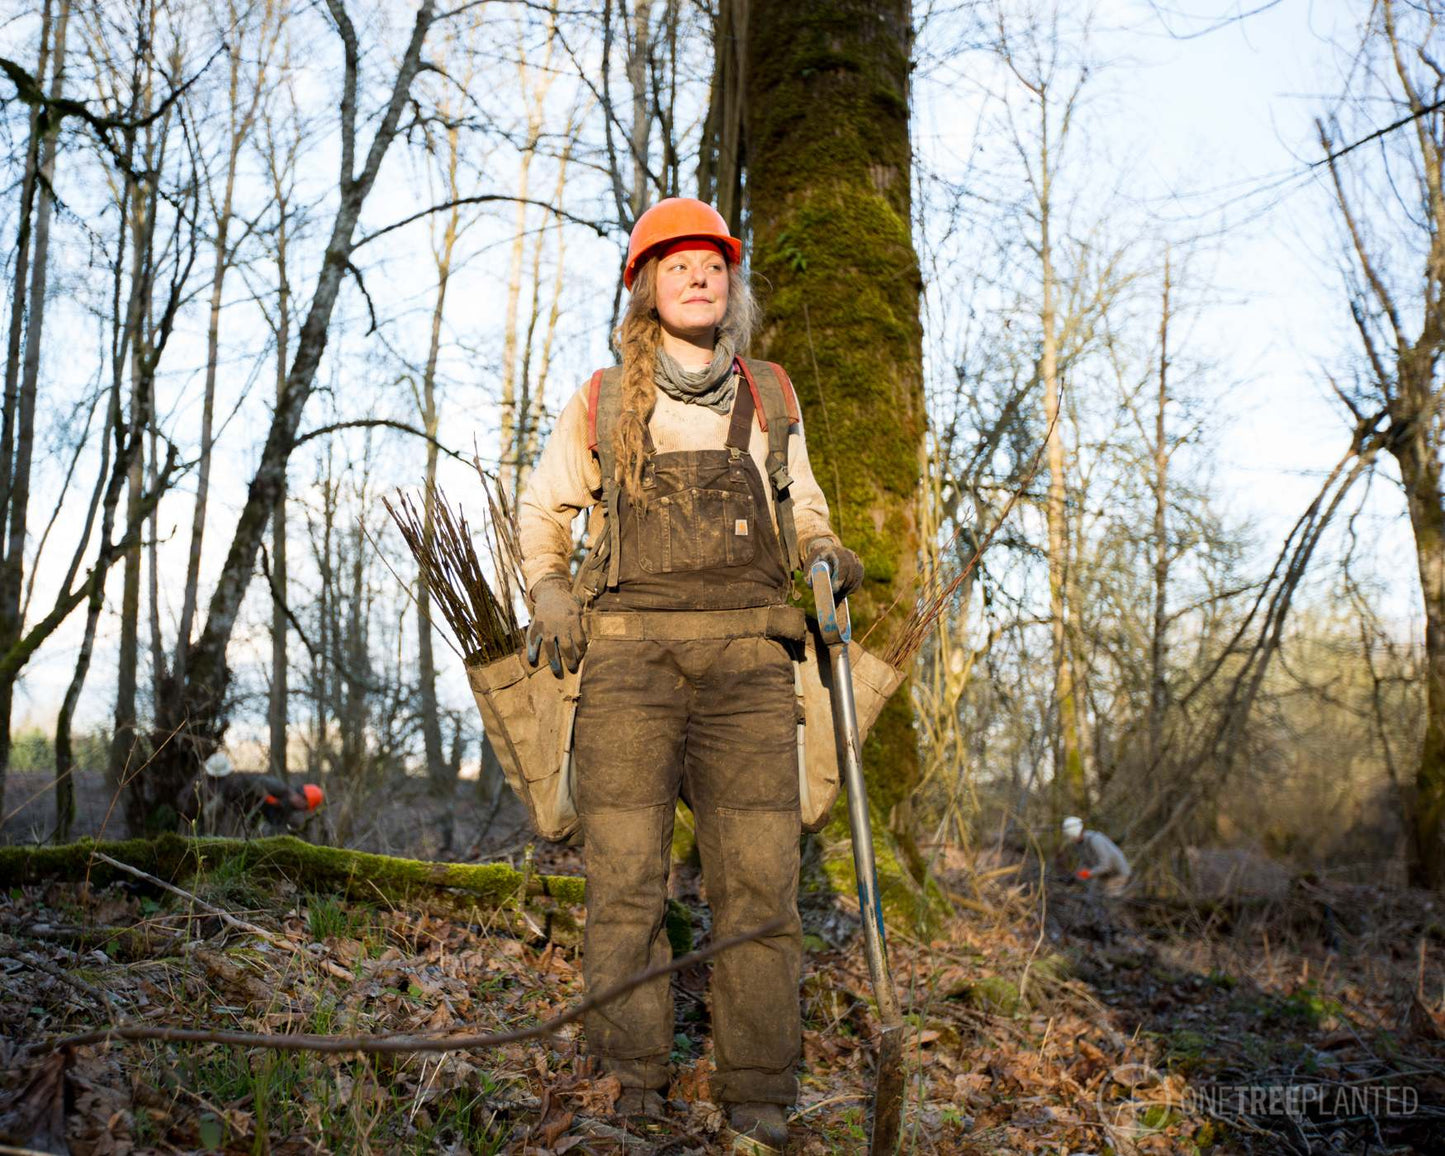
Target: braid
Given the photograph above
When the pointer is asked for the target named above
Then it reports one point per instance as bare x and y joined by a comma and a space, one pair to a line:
638, 337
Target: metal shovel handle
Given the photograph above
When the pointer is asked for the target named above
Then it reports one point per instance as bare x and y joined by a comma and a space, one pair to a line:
833, 620
837, 629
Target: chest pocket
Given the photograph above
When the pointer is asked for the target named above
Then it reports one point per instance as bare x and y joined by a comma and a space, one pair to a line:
697, 528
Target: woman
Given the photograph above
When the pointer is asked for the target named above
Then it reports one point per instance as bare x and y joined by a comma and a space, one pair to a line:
693, 464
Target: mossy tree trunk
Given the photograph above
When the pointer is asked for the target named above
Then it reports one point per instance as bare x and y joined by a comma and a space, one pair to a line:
828, 181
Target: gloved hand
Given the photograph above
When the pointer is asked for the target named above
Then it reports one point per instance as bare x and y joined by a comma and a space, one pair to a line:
556, 622
845, 566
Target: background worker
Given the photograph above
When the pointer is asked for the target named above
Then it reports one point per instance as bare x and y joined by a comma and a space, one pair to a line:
1104, 870
220, 800
699, 517
1103, 866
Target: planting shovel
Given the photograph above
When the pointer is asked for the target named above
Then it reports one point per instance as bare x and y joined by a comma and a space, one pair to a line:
837, 630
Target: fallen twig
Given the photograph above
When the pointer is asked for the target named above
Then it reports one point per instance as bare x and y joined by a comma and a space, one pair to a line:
30, 959
397, 1041
224, 916
209, 908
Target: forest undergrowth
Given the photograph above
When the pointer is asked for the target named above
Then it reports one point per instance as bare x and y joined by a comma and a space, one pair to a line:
1038, 1023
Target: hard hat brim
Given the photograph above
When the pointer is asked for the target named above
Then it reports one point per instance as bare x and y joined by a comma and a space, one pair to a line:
677, 219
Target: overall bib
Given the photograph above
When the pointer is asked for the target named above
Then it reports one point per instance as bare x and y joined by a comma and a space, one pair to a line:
710, 719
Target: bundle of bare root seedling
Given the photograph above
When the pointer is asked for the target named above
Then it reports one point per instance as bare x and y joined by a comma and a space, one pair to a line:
482, 617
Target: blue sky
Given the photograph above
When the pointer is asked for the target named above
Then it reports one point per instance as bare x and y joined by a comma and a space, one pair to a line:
1195, 132
1200, 129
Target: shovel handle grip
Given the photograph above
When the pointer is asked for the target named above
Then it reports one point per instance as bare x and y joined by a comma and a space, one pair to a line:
833, 620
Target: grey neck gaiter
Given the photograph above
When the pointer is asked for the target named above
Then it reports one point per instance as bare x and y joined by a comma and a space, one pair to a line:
713, 386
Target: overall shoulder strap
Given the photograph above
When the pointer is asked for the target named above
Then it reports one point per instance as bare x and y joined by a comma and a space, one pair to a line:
604, 406
777, 414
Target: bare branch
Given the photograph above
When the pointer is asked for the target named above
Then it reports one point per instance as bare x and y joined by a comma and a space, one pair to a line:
381, 423
1357, 239
481, 199
347, 31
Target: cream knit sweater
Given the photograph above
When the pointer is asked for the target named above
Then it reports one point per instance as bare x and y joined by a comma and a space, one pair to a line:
568, 479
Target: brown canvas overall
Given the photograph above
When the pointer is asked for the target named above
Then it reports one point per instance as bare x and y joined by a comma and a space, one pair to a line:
712, 720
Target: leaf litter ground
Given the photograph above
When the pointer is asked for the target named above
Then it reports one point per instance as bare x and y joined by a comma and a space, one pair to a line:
1038, 1023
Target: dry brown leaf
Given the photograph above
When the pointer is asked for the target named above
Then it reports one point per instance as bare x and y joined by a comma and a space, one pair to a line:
34, 1118
553, 1129
441, 1018
236, 980
593, 1095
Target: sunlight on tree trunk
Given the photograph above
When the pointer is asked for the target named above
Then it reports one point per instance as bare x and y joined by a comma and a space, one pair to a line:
828, 180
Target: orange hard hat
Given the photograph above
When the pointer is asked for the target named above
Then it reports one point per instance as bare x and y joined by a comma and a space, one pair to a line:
674, 219
314, 796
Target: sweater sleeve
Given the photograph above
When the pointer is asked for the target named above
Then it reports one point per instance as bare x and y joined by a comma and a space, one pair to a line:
566, 479
810, 507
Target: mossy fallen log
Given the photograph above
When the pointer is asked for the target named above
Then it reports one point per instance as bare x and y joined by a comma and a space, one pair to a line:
455, 888
355, 873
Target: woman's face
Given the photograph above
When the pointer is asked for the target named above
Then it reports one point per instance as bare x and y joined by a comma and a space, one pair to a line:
692, 292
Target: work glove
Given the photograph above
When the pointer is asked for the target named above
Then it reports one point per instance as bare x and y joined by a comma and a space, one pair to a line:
845, 566
557, 624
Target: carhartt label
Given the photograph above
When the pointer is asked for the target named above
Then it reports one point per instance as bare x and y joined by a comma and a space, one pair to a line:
740, 527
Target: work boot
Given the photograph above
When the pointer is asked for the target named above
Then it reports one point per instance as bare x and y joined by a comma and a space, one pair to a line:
640, 1102
765, 1124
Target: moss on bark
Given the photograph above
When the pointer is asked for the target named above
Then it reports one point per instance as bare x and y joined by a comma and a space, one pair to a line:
829, 192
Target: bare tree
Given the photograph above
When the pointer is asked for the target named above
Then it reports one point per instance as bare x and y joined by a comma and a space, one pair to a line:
535, 82
139, 338
639, 31
251, 33
441, 776
1158, 682
145, 203
723, 148
193, 709
1035, 54
16, 435
829, 146
531, 394
283, 137
1392, 212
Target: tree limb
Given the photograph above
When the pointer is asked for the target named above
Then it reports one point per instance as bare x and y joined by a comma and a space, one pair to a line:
18, 654
378, 422
481, 199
